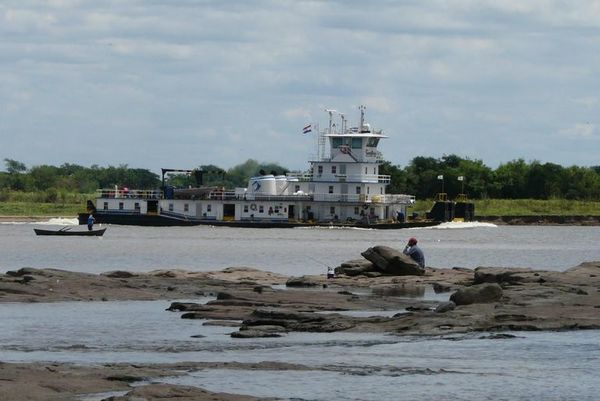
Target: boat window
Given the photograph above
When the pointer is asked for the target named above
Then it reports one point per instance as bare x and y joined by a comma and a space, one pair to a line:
366, 172
331, 189
105, 206
358, 190
319, 169
356, 210
296, 188
245, 208
372, 142
186, 207
136, 206
261, 209
276, 209
333, 169
120, 205
368, 190
356, 143
170, 207
336, 142
332, 210
208, 208
381, 190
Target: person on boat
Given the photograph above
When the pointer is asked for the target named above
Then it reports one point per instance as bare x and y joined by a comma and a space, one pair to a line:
90, 222
411, 249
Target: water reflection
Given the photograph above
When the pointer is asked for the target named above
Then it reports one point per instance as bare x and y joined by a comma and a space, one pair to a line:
342, 366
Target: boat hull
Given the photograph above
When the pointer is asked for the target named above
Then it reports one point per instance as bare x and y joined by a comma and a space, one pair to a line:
92, 233
157, 220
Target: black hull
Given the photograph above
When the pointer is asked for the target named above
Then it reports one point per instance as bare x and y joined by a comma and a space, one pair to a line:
92, 233
149, 220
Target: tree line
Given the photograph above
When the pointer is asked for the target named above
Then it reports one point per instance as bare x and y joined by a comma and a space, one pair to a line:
516, 179
422, 177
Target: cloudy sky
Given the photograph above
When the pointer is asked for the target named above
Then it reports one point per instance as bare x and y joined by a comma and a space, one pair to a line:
153, 83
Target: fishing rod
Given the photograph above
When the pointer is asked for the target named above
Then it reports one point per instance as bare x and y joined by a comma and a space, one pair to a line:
319, 262
330, 270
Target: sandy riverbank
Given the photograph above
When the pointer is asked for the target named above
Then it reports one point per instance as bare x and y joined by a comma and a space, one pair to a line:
31, 219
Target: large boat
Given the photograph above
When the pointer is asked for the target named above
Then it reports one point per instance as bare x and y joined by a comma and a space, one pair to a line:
342, 187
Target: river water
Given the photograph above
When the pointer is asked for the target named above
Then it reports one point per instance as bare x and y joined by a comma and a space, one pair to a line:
348, 366
295, 251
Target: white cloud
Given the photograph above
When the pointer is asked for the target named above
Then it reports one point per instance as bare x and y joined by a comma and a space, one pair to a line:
224, 81
579, 131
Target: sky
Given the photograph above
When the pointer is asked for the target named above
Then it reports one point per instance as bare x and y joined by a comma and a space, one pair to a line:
179, 84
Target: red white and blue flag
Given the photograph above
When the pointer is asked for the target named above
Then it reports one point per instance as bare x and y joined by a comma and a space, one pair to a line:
307, 129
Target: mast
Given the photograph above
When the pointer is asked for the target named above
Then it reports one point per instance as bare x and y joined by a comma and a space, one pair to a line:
362, 116
322, 140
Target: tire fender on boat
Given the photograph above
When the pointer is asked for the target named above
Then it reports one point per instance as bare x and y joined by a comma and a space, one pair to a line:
253, 206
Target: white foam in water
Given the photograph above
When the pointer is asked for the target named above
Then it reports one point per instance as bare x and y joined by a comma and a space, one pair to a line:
59, 221
459, 224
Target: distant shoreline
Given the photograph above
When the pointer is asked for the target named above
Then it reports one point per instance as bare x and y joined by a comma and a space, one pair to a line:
31, 219
541, 220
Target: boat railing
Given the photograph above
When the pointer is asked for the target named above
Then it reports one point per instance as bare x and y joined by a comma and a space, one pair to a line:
367, 178
129, 193
364, 198
300, 176
398, 198
277, 198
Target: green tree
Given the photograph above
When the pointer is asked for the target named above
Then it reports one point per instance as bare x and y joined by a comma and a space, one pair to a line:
14, 167
511, 180
398, 178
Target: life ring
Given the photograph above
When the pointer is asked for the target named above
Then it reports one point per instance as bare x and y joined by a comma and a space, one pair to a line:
253, 206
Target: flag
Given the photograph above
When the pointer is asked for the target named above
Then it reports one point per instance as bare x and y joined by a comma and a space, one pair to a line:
461, 178
307, 129
440, 177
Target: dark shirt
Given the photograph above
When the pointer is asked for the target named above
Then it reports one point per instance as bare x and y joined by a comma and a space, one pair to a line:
416, 254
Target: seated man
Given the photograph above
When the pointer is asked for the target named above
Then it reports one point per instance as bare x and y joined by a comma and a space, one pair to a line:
411, 249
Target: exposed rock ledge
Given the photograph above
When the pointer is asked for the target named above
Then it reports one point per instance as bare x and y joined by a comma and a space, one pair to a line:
484, 299
488, 299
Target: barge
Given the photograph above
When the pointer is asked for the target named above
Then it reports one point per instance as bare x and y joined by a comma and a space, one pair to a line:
341, 188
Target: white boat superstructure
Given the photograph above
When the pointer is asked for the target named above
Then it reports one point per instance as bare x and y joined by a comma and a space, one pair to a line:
343, 185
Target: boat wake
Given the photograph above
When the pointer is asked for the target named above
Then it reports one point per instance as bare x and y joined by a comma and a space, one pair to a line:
458, 225
59, 221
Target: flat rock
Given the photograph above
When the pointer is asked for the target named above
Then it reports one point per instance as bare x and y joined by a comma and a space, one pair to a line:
477, 294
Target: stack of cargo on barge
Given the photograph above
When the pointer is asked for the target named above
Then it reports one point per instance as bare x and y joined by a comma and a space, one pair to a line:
342, 187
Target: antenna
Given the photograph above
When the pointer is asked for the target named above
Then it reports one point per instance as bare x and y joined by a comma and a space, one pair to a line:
330, 111
344, 122
362, 115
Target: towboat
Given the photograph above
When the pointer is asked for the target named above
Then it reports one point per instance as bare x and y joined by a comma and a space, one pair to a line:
341, 188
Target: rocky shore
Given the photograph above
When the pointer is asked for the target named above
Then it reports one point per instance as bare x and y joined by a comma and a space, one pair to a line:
490, 300
62, 381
